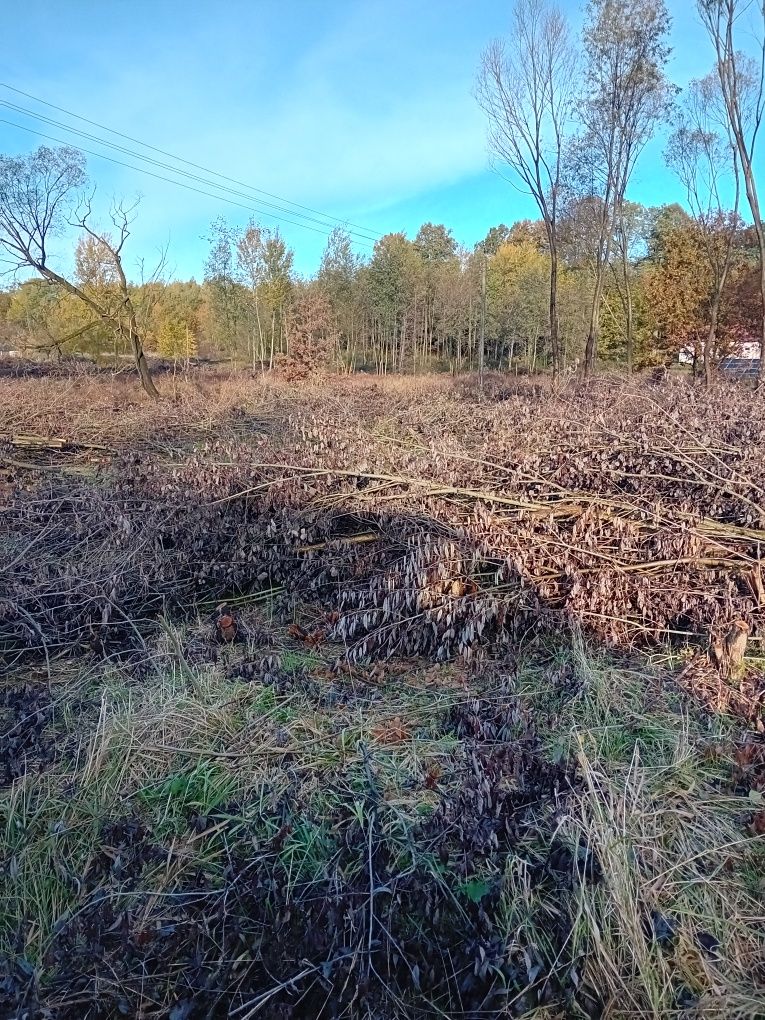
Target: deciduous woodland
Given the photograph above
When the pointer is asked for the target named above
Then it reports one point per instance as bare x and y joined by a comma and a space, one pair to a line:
416, 306
597, 279
390, 644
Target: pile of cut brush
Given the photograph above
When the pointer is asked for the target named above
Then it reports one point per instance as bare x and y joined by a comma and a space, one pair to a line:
442, 524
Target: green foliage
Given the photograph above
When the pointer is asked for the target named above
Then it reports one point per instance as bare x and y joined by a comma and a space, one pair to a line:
179, 303
435, 244
224, 296
394, 274
339, 266
52, 320
517, 282
176, 340
197, 790
475, 889
495, 238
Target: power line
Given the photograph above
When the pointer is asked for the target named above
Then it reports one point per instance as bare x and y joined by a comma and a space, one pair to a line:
180, 159
168, 180
175, 170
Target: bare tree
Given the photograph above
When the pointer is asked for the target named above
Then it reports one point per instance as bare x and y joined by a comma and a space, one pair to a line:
38, 195
742, 85
526, 88
113, 303
626, 95
704, 160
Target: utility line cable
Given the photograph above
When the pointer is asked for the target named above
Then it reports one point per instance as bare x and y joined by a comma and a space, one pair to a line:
169, 167
180, 159
180, 184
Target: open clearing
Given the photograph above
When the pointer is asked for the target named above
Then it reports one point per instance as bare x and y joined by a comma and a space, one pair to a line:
381, 699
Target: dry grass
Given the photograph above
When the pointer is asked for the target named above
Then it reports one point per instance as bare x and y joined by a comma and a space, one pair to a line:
663, 865
113, 413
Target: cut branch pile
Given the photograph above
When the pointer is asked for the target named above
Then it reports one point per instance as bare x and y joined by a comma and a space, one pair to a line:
439, 527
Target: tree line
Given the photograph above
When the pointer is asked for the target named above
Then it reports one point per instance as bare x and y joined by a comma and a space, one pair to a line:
595, 277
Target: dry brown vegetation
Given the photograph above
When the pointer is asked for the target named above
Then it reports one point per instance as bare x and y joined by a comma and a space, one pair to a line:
378, 698
434, 518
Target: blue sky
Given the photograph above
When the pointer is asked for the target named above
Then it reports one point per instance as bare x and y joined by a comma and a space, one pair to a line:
360, 108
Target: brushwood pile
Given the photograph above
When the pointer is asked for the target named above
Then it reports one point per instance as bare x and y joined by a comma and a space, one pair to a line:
446, 526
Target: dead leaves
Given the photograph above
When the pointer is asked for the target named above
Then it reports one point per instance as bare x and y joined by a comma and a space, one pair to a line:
226, 625
709, 680
392, 731
311, 638
749, 766
757, 586
612, 515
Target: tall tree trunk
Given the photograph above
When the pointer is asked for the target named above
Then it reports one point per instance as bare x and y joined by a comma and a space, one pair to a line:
414, 333
129, 331
720, 279
554, 322
630, 324
754, 205
609, 213
482, 338
761, 372
141, 363
593, 333
711, 338
627, 302
261, 338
